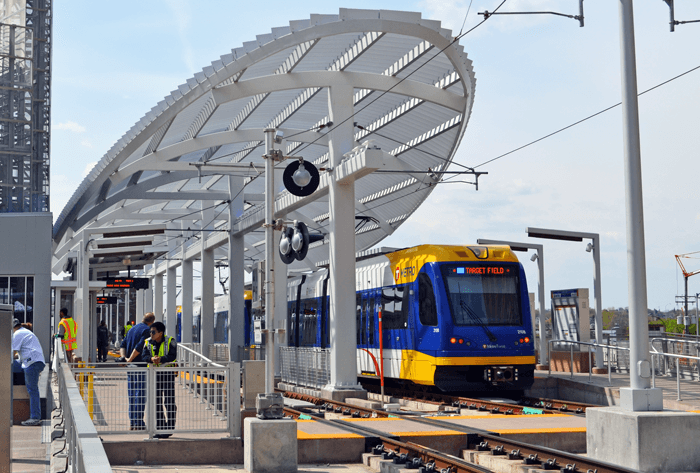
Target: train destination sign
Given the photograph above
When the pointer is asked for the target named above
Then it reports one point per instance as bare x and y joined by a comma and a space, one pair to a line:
106, 300
127, 283
479, 270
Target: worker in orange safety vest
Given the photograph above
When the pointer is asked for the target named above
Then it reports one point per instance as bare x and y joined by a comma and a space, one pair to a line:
67, 329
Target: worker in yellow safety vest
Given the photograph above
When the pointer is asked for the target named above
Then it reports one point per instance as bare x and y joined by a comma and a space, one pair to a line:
126, 329
67, 332
161, 351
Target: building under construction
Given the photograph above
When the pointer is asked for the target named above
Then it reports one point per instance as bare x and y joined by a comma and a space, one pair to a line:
25, 104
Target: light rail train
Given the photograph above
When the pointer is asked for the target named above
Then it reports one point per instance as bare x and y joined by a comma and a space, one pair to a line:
454, 317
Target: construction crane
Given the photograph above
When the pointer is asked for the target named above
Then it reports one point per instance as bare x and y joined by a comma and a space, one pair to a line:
686, 275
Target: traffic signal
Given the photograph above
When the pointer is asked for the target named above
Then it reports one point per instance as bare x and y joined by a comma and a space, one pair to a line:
301, 178
295, 241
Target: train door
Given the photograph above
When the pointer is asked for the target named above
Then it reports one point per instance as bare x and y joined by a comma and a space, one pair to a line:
370, 363
427, 329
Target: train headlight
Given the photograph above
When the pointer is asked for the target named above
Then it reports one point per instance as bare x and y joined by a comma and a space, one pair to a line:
527, 339
453, 340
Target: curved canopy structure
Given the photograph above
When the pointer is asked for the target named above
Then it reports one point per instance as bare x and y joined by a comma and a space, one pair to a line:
172, 174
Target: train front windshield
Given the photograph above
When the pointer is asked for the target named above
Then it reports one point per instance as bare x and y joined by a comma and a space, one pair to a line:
481, 295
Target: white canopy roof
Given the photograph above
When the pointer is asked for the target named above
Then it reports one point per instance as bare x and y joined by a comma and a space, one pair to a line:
413, 94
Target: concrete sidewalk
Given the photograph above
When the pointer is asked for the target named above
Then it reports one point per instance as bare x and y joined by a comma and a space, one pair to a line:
689, 388
31, 448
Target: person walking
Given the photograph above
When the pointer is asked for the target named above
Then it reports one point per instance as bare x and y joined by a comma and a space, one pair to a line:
67, 330
103, 339
27, 349
161, 351
136, 380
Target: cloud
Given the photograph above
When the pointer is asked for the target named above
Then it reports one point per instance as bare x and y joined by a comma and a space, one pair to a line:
88, 168
70, 126
86, 143
183, 17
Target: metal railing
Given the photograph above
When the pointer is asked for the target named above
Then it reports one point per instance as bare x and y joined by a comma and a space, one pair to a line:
659, 360
305, 366
83, 446
197, 395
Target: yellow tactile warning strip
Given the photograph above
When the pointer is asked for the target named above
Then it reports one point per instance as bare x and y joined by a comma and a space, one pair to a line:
310, 429
530, 424
405, 427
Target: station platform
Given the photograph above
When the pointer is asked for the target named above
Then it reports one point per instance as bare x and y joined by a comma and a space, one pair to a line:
321, 443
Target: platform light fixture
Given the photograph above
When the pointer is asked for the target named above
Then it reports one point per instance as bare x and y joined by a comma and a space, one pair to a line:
591, 247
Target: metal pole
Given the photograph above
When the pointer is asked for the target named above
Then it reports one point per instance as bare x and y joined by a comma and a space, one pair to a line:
598, 304
678, 378
544, 358
6, 386
269, 262
636, 262
572, 360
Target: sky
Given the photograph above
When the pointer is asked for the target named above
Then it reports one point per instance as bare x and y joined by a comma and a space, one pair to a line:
535, 74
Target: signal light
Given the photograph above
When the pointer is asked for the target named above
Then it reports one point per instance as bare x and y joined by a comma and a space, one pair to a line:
295, 241
301, 178
522, 340
527, 339
461, 341
453, 340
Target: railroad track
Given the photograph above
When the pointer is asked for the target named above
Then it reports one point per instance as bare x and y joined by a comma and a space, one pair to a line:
415, 456
527, 405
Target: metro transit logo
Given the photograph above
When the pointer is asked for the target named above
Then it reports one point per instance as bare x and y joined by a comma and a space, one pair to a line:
405, 272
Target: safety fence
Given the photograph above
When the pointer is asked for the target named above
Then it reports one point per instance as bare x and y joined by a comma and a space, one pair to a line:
305, 366
197, 395
83, 446
218, 352
678, 365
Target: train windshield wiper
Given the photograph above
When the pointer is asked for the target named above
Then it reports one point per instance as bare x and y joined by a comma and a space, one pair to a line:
473, 317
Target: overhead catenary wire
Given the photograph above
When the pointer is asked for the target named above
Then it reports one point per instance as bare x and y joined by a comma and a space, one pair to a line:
585, 119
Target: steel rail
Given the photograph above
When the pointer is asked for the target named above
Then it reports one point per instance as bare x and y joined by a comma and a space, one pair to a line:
336, 406
524, 407
557, 405
417, 455
543, 457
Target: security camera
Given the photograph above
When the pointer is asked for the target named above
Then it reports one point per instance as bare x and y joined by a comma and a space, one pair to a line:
533, 257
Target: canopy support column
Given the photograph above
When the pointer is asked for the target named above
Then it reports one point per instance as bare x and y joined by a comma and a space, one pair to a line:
236, 249
158, 298
171, 301
342, 252
206, 318
187, 316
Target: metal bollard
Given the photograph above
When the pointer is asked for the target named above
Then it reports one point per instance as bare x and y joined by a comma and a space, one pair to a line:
91, 395
572, 361
678, 378
609, 368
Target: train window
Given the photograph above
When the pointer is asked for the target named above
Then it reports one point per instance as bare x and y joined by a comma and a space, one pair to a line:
395, 307
483, 294
427, 310
310, 315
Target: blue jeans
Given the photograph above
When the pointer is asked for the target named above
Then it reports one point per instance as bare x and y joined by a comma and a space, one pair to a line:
31, 378
137, 398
